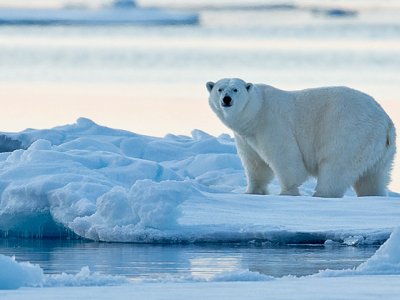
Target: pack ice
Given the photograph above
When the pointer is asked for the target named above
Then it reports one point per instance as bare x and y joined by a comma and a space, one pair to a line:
106, 184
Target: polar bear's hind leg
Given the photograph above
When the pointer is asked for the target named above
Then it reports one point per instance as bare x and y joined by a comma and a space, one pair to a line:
333, 180
374, 181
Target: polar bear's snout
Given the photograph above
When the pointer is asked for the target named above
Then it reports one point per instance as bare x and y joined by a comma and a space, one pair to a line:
227, 101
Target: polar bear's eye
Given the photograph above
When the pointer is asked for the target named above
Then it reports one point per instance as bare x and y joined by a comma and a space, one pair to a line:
235, 90
220, 90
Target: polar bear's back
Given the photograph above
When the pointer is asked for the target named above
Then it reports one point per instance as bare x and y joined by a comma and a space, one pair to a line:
337, 121
340, 100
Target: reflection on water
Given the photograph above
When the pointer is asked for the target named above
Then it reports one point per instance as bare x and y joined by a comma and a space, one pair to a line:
201, 261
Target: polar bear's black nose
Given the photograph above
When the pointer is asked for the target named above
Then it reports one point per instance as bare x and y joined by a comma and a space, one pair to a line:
227, 101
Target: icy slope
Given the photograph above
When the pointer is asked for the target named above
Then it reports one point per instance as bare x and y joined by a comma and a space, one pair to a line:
113, 185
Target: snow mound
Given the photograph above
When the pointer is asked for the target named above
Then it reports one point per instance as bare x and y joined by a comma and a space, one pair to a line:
148, 206
90, 181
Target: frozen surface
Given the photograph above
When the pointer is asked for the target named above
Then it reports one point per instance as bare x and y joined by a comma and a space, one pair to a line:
112, 185
361, 287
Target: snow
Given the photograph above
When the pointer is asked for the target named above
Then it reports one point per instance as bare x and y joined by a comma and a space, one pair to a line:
111, 185
366, 287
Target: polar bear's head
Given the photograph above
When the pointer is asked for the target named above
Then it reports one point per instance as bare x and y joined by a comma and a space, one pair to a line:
230, 99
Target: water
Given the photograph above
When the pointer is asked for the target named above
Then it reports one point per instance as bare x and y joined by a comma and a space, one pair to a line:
178, 261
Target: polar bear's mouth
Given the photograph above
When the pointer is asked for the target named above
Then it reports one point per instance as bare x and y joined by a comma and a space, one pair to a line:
226, 101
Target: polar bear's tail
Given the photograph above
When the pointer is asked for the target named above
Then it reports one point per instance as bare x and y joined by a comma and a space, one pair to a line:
391, 136
388, 157
390, 146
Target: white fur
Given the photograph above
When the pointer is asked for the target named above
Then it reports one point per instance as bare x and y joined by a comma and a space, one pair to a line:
337, 134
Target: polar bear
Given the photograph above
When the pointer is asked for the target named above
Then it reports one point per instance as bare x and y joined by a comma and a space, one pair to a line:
339, 135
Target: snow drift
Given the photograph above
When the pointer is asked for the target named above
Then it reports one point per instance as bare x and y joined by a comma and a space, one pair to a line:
105, 184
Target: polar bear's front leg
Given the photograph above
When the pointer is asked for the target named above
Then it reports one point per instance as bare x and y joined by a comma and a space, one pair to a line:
258, 172
287, 163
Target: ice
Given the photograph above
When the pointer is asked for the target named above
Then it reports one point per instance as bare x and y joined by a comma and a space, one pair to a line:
354, 240
14, 275
83, 278
386, 261
103, 16
98, 181
90, 181
241, 275
147, 208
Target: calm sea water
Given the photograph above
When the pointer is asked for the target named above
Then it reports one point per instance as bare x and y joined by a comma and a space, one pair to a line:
178, 261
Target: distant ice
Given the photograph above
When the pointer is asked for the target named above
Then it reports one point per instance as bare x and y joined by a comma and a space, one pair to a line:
104, 184
112, 15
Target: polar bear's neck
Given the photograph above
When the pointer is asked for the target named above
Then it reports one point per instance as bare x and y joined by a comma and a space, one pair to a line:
264, 106
247, 121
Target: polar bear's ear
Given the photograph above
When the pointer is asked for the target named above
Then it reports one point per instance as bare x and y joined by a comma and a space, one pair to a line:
249, 86
210, 86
